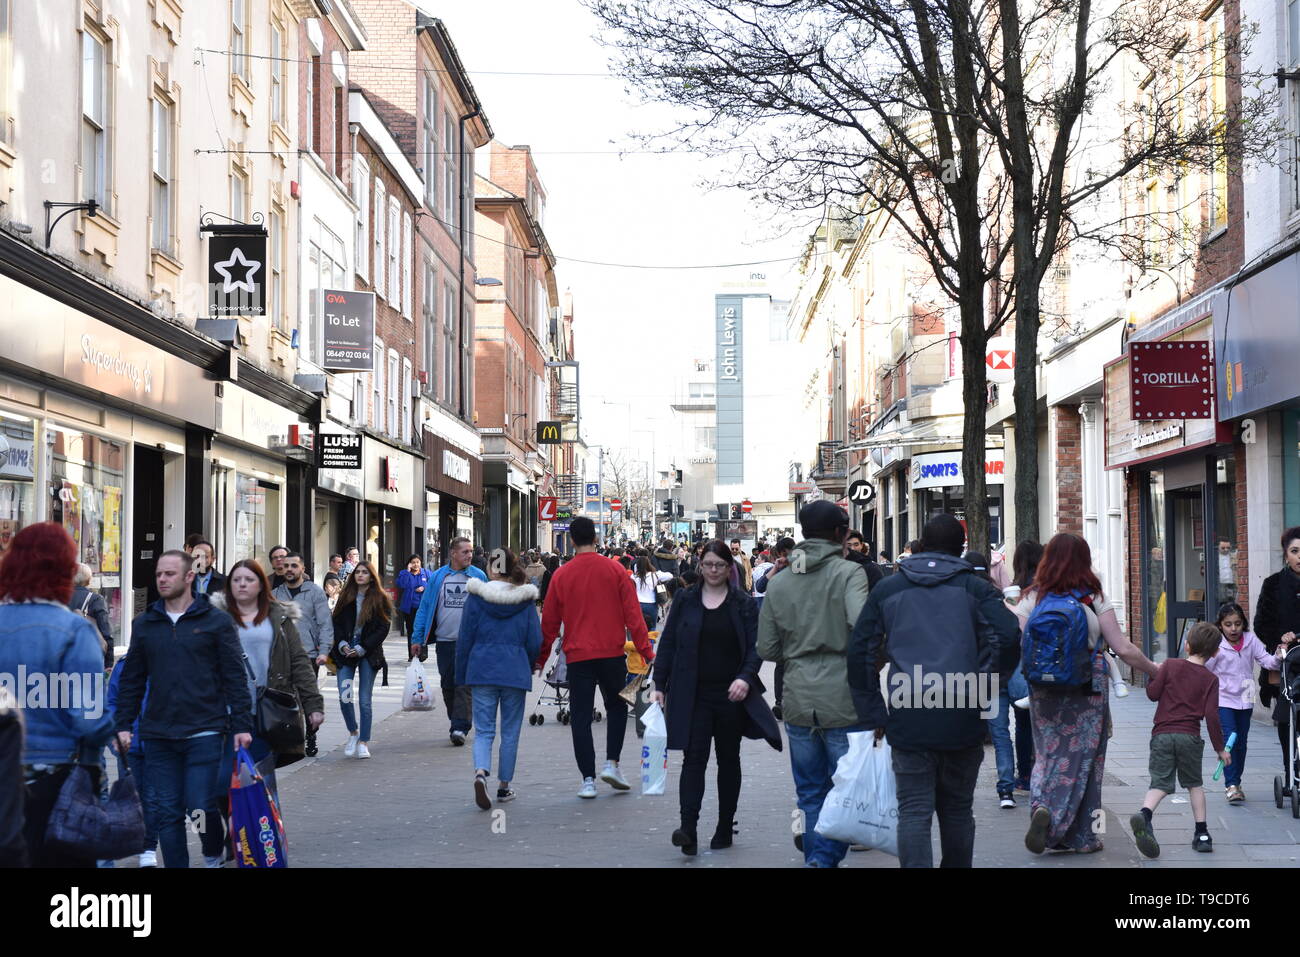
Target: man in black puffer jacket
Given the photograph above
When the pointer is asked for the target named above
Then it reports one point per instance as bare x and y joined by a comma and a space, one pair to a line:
857, 550
947, 635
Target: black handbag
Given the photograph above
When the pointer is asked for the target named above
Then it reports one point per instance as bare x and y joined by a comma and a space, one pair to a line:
278, 718
79, 824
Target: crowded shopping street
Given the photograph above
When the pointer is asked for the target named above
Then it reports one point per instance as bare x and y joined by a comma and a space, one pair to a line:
684, 435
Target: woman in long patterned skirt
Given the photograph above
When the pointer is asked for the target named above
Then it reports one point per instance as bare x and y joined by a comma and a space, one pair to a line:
1071, 726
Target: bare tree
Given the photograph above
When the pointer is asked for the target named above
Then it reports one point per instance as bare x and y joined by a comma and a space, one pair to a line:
957, 119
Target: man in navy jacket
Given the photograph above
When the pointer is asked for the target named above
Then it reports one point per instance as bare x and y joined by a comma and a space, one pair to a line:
189, 656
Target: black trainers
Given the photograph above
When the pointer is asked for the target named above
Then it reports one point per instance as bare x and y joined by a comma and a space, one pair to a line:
311, 750
1202, 842
481, 792
1144, 836
723, 835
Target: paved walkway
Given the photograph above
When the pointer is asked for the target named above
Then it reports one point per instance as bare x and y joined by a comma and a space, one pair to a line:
411, 804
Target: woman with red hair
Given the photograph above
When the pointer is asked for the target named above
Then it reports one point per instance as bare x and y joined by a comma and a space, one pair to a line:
1071, 725
60, 650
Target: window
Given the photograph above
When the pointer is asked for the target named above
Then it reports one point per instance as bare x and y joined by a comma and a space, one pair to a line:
408, 292
1293, 91
277, 74
377, 408
162, 176
449, 144
430, 147
467, 208
393, 383
238, 186
361, 196
94, 118
274, 252
360, 389
309, 134
1217, 210
339, 159
429, 309
705, 437
6, 44
326, 269
239, 39
449, 344
381, 257
394, 251
466, 361
406, 401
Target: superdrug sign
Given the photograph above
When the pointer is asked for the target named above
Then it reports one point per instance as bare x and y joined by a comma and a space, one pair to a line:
1171, 380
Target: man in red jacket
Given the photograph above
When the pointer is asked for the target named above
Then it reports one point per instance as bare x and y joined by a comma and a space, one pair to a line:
595, 600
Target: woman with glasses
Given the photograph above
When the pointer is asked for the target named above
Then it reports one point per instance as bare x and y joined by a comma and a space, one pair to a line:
706, 679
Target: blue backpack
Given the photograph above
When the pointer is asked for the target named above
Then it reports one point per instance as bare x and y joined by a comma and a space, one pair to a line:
1054, 648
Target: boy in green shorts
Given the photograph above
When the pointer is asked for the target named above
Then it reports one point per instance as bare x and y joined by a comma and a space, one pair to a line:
1188, 693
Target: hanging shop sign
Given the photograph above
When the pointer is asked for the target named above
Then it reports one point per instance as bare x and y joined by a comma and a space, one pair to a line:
1171, 380
338, 451
236, 271
348, 328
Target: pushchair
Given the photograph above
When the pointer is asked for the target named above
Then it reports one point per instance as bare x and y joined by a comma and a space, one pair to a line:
1287, 787
557, 680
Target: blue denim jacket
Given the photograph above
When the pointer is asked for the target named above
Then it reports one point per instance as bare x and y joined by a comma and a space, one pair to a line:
51, 660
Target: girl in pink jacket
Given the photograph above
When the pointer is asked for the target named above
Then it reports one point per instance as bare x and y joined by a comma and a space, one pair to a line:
1234, 666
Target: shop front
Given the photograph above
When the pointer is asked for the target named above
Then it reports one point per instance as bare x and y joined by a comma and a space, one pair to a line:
938, 485
1186, 499
510, 505
453, 479
340, 494
390, 483
97, 431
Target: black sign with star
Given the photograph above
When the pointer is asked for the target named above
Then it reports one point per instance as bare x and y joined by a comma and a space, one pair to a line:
236, 275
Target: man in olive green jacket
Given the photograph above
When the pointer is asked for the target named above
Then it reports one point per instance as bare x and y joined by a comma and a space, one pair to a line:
805, 623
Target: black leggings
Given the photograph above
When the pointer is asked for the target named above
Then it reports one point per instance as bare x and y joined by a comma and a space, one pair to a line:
779, 681
718, 722
611, 675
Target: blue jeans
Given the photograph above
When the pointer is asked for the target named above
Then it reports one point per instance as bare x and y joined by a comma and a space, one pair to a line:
352, 688
814, 753
942, 782
511, 701
138, 765
1000, 732
1236, 720
179, 774
650, 612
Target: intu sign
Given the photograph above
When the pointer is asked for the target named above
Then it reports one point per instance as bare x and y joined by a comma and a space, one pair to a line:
455, 466
943, 469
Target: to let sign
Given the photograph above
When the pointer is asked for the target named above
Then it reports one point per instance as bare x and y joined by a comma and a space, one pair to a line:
1171, 380
348, 330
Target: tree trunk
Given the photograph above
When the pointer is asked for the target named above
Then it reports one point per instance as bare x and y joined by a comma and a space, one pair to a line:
1026, 401
974, 395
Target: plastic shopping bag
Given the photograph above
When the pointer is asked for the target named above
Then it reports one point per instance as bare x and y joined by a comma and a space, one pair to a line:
654, 751
256, 830
862, 807
418, 695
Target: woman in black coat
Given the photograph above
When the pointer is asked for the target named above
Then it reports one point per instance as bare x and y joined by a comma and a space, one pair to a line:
706, 679
1277, 613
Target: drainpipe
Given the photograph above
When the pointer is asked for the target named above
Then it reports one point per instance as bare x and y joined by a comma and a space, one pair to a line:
460, 319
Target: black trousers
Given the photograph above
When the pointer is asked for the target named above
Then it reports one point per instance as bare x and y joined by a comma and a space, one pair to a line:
717, 723
584, 676
779, 682
41, 796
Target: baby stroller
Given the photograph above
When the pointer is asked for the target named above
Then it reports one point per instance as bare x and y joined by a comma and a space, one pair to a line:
557, 680
1290, 699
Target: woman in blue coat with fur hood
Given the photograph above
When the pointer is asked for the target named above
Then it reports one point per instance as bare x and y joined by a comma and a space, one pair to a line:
500, 635
706, 679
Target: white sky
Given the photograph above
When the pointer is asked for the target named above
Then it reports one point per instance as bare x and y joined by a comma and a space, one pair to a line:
636, 329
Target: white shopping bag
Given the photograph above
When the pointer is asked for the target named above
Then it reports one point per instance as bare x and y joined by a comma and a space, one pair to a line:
418, 695
862, 807
654, 752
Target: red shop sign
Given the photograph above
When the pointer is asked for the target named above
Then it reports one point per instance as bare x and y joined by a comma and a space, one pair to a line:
1171, 380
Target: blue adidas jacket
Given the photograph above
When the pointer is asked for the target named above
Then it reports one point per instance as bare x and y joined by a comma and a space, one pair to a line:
428, 612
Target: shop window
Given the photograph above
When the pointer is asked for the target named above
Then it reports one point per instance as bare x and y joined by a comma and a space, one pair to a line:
1224, 547
17, 478
1155, 599
87, 476
257, 519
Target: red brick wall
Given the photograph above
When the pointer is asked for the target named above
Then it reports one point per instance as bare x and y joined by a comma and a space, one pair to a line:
324, 102
384, 67
1069, 471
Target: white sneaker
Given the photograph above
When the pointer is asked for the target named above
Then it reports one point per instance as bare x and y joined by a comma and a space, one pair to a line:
588, 789
350, 748
362, 750
149, 859
217, 861
1121, 689
1022, 704
613, 778
1006, 802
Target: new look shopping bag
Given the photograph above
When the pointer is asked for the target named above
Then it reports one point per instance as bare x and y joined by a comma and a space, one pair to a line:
862, 807
417, 696
654, 751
